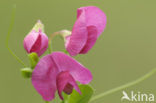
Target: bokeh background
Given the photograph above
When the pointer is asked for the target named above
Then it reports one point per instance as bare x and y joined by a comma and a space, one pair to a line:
125, 51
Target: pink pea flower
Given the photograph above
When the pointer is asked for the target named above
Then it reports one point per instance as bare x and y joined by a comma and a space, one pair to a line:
90, 23
58, 72
36, 41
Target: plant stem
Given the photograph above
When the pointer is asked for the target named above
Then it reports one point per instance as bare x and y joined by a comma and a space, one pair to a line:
50, 41
49, 47
62, 34
8, 36
146, 76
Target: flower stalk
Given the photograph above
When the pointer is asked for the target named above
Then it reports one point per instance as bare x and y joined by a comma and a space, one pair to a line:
62, 33
50, 39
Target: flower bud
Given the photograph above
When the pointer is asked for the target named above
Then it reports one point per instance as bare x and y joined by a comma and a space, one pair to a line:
36, 41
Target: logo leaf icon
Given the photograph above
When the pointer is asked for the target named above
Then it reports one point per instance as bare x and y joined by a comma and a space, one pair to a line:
125, 96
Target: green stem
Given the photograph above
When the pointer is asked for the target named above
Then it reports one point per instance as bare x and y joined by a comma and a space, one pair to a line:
50, 47
8, 36
146, 76
62, 34
50, 41
47, 102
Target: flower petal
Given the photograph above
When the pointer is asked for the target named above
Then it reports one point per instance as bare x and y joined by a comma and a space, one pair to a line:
92, 37
94, 17
78, 37
65, 82
37, 45
30, 39
44, 43
66, 63
44, 78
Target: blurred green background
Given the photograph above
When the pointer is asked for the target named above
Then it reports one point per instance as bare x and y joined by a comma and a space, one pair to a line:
125, 51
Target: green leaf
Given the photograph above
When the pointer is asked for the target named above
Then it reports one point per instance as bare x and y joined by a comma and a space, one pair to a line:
75, 97
65, 96
26, 72
33, 58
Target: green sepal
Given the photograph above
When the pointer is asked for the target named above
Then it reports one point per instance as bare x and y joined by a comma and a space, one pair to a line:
86, 94
38, 26
33, 58
26, 72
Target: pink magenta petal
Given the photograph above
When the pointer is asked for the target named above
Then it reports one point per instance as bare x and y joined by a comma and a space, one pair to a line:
44, 78
66, 63
94, 17
29, 40
44, 43
37, 45
92, 37
90, 23
63, 80
79, 36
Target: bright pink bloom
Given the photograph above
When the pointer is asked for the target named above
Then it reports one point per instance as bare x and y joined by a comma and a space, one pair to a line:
90, 23
58, 71
36, 42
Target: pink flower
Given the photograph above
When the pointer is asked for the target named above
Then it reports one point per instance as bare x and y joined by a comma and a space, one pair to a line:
36, 41
90, 23
58, 71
